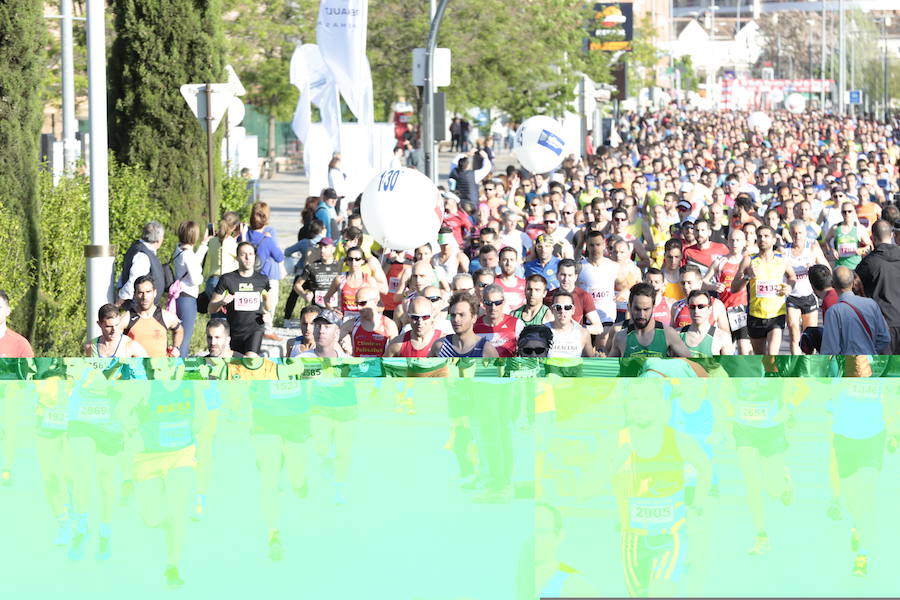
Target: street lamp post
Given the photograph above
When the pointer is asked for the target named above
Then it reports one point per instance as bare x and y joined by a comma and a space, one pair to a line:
68, 87
842, 61
100, 254
428, 99
822, 73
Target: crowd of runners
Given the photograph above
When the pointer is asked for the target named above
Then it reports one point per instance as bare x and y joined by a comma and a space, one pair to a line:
693, 244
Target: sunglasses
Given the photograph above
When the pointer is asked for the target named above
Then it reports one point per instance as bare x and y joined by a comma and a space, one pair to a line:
419, 317
562, 307
548, 221
355, 258
697, 306
434, 298
532, 351
487, 189
847, 212
492, 302
568, 212
366, 302
620, 220
483, 285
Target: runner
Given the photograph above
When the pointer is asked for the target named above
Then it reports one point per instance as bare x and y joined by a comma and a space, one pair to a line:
305, 341
644, 336
598, 278
465, 343
544, 263
703, 339
111, 342
627, 276
52, 424
534, 311
243, 293
315, 280
12, 345
349, 283
416, 343
368, 335
801, 302
681, 316
149, 325
770, 279
494, 325
168, 415
648, 481
719, 279
758, 428
662, 309
571, 341
849, 240
513, 286
585, 313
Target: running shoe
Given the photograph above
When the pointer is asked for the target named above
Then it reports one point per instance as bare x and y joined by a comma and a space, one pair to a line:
276, 551
762, 546
854, 540
834, 510
173, 579
861, 565
104, 550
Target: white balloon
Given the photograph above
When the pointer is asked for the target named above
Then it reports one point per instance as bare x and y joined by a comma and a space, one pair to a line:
539, 144
759, 121
402, 209
795, 103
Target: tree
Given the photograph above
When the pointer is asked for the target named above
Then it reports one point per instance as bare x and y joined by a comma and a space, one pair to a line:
642, 59
689, 79
22, 71
261, 36
161, 45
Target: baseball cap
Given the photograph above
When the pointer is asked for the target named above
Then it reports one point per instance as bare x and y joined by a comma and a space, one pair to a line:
330, 193
543, 238
326, 241
329, 316
685, 204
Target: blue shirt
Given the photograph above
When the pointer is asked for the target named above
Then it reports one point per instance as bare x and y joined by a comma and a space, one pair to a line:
844, 333
549, 271
325, 214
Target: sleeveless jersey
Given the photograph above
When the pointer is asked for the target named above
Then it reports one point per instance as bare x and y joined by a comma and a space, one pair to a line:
765, 303
368, 343
726, 276
566, 344
150, 333
658, 346
394, 273
502, 336
600, 284
348, 296
407, 350
847, 243
91, 399
514, 294
673, 290
800, 265
704, 348
166, 421
656, 499
683, 314
447, 350
537, 319
238, 371
118, 352
662, 312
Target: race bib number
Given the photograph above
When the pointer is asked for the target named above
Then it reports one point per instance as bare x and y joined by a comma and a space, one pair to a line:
247, 301
652, 513
845, 250
319, 297
801, 273
93, 412
753, 413
865, 390
175, 435
737, 317
393, 284
767, 289
55, 418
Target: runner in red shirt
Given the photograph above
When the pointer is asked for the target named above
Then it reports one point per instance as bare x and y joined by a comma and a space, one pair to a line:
495, 326
662, 309
369, 333
12, 345
704, 252
417, 342
513, 285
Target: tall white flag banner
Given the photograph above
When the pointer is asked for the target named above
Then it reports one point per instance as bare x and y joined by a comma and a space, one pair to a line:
341, 36
310, 75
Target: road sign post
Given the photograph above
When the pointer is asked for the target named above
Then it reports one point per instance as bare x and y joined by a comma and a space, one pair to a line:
208, 102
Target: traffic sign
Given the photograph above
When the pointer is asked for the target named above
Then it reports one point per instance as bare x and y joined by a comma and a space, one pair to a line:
195, 95
854, 97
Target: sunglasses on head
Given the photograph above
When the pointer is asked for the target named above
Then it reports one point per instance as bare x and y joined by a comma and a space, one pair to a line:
532, 350
561, 307
492, 302
419, 317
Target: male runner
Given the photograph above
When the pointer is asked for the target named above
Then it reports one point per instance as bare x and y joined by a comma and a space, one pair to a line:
111, 343
513, 286
244, 292
585, 312
645, 337
703, 339
598, 278
495, 325
719, 279
570, 340
801, 302
648, 480
770, 279
149, 324
534, 311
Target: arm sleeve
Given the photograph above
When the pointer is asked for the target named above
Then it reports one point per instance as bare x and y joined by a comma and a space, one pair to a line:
140, 266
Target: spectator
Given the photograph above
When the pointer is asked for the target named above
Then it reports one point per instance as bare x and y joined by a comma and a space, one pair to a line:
140, 260
12, 345
327, 213
188, 265
269, 255
222, 254
468, 179
854, 325
879, 272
